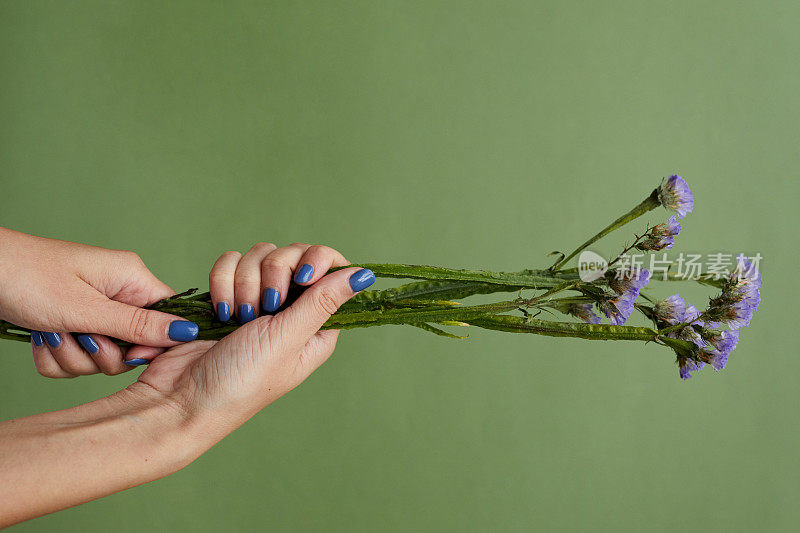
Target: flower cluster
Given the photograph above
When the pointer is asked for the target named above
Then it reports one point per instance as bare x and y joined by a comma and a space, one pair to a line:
732, 309
675, 195
661, 236
626, 288
741, 296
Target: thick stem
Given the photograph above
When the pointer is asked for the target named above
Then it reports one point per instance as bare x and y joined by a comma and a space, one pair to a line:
533, 279
649, 203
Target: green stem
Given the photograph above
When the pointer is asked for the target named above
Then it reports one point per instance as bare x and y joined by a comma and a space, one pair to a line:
516, 324
649, 203
533, 279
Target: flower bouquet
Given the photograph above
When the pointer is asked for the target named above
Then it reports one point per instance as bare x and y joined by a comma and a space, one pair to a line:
596, 287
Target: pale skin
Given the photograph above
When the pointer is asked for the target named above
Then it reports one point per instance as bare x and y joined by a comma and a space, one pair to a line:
188, 398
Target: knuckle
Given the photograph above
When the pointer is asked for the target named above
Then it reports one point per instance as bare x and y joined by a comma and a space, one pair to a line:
247, 278
325, 301
231, 254
140, 323
48, 371
217, 276
107, 364
319, 249
299, 245
264, 245
274, 264
132, 256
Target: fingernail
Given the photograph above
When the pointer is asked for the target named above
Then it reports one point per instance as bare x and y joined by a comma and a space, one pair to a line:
182, 331
246, 313
136, 362
88, 343
362, 279
53, 339
304, 274
271, 300
36, 337
223, 311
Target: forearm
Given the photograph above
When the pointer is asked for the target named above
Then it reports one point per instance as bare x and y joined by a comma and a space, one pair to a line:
56, 460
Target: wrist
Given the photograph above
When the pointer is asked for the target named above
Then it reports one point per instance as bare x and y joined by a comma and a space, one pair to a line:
173, 434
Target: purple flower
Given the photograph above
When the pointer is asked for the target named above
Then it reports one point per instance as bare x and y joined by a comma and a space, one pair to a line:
691, 315
661, 237
688, 333
629, 283
675, 195
627, 286
687, 365
618, 309
671, 310
737, 314
719, 347
745, 282
585, 312
746, 272
741, 296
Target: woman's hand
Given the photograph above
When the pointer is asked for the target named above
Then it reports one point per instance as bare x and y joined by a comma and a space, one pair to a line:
259, 281
188, 399
55, 287
221, 384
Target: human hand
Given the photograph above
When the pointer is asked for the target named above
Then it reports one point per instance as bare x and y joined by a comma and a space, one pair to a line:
219, 385
55, 287
183, 403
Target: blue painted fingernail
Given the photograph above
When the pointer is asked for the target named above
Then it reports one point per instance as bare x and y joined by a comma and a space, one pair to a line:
304, 274
136, 362
362, 279
53, 339
183, 330
223, 311
246, 313
36, 337
271, 300
88, 343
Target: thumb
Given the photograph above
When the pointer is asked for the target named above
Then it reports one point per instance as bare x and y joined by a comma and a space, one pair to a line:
300, 321
140, 326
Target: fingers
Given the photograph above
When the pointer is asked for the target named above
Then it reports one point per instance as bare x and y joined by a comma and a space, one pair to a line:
138, 325
141, 355
66, 353
258, 282
298, 323
247, 281
300, 263
277, 270
44, 361
220, 284
56, 355
106, 355
316, 262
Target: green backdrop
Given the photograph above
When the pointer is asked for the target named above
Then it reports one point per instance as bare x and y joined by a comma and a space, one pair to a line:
467, 134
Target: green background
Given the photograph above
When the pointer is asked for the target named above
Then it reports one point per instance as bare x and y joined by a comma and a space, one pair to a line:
467, 134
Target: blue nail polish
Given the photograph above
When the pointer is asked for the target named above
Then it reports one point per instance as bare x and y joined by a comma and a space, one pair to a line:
36, 337
136, 362
88, 343
304, 274
246, 313
53, 339
271, 300
362, 279
223, 311
183, 330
